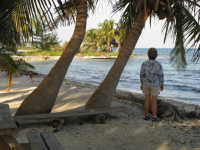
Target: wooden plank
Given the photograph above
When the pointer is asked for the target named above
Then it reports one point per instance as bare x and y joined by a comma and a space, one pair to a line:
42, 118
51, 141
8, 131
6, 120
36, 141
25, 146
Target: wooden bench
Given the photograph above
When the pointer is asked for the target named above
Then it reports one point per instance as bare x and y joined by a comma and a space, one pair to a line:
57, 120
7, 123
42, 141
44, 118
8, 128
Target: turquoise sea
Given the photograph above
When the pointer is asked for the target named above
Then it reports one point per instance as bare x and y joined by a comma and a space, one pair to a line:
179, 85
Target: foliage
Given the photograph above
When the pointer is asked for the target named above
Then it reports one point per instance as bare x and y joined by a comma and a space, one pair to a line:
181, 21
43, 38
9, 38
9, 64
97, 53
24, 14
17, 24
103, 38
90, 52
24, 66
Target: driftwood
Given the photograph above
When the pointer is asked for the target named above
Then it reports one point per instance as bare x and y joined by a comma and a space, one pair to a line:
42, 118
56, 120
167, 109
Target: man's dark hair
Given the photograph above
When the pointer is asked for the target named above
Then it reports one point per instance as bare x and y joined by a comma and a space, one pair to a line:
152, 53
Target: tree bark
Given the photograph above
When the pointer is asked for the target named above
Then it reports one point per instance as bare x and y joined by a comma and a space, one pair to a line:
102, 97
42, 99
9, 81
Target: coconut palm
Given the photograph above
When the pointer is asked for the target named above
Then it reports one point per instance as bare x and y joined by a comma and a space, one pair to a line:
9, 40
42, 99
101, 37
90, 41
108, 31
25, 13
17, 18
8, 65
180, 21
11, 66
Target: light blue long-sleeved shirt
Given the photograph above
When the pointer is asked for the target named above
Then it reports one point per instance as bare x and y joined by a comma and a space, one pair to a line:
151, 73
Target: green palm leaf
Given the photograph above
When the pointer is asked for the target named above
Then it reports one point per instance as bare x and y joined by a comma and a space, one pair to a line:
130, 9
25, 12
185, 29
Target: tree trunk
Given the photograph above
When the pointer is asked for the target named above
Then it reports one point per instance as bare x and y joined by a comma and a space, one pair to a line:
42, 99
9, 81
102, 97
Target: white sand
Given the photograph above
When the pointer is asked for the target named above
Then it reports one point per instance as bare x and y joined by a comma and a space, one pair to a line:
128, 132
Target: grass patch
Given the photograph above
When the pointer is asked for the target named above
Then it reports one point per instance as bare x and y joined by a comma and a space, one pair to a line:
39, 52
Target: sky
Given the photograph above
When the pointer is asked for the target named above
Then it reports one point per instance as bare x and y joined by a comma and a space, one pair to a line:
150, 37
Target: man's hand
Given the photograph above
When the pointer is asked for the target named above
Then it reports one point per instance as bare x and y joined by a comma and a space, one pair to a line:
162, 87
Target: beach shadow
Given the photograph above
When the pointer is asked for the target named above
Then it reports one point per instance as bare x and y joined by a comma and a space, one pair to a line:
71, 99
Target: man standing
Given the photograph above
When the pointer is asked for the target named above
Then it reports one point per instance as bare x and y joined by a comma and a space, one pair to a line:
152, 82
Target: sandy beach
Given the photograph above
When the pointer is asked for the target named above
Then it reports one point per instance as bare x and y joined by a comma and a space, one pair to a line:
127, 132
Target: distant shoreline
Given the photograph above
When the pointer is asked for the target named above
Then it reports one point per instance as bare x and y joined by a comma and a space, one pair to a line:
54, 58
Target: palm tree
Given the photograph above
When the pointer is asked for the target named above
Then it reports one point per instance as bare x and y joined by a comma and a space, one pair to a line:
120, 34
108, 31
42, 99
11, 66
90, 41
9, 41
8, 65
24, 14
180, 20
101, 37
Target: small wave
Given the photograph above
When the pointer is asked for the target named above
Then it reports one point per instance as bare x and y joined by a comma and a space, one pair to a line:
177, 84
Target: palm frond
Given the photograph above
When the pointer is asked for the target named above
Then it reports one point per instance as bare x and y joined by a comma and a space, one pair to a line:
178, 53
129, 9
185, 29
9, 38
7, 63
25, 12
192, 33
68, 8
22, 65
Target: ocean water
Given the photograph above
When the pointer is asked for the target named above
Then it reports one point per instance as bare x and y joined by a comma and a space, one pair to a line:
179, 85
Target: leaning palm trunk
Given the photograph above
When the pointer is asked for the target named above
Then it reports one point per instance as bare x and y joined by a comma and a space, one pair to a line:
103, 95
42, 99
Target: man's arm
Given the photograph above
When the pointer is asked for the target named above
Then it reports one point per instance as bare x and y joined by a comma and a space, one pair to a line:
142, 75
161, 79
